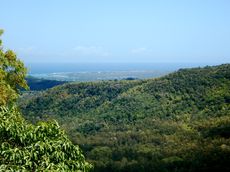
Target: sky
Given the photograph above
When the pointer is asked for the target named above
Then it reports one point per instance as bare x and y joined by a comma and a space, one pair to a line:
117, 31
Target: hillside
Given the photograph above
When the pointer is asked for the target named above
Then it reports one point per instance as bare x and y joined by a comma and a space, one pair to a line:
36, 84
179, 122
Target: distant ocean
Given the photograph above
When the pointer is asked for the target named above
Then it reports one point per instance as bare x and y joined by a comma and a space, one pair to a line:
46, 68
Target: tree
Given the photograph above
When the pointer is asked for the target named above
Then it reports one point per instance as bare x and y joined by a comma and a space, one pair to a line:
12, 76
27, 147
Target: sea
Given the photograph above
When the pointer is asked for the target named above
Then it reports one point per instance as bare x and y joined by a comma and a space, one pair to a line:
104, 71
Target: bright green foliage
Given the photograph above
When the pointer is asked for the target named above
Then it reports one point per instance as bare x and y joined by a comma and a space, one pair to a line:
12, 76
44, 147
179, 122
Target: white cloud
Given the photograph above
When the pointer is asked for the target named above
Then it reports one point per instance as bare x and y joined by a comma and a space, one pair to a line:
26, 50
90, 50
141, 50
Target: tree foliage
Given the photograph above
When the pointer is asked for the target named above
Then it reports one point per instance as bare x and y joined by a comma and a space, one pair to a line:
27, 147
12, 76
41, 147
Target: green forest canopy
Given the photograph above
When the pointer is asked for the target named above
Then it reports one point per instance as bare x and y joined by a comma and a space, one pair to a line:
179, 122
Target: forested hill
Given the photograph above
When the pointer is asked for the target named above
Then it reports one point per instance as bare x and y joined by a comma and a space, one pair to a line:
36, 84
179, 122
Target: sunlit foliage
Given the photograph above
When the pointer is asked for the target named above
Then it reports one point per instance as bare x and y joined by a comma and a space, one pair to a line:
12, 76
41, 147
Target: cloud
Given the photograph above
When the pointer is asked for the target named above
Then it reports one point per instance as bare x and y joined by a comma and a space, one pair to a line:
90, 50
141, 50
26, 50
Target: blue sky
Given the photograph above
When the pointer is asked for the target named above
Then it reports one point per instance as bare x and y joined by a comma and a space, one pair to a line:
149, 31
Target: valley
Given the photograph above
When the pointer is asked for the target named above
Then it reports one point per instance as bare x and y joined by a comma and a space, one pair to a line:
172, 122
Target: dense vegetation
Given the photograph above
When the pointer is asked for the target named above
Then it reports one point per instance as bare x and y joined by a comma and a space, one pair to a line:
27, 147
36, 84
44, 147
179, 122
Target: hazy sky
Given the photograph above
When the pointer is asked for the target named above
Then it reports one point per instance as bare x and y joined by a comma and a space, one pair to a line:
117, 30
